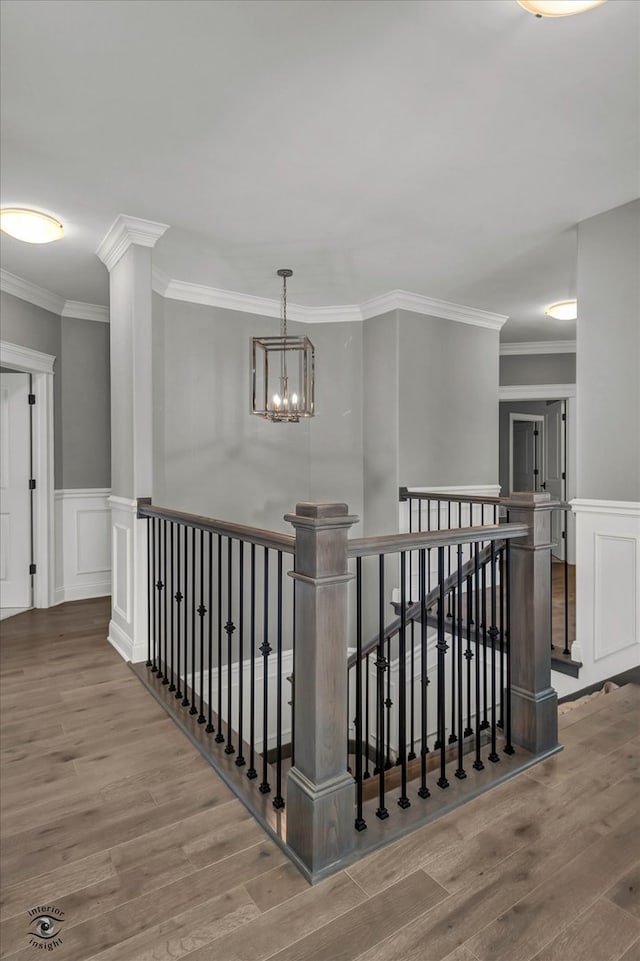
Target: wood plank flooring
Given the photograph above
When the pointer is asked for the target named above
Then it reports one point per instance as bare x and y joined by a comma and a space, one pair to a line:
110, 815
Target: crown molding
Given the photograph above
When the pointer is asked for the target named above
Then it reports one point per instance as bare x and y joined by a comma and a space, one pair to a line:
75, 308
38, 296
539, 347
419, 304
125, 231
24, 358
537, 392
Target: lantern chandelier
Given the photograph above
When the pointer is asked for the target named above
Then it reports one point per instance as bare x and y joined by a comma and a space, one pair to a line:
283, 372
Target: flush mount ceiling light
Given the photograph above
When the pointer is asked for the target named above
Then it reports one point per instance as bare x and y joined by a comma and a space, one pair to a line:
565, 310
559, 8
30, 225
283, 372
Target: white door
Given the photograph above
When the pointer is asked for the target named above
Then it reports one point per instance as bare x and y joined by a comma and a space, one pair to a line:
15, 497
525, 451
554, 482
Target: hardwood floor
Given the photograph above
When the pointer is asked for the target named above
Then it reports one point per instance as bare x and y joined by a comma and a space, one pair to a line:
112, 817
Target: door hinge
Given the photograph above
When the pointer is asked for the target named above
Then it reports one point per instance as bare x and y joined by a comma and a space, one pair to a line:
32, 568
32, 398
564, 416
536, 472
32, 484
564, 476
535, 433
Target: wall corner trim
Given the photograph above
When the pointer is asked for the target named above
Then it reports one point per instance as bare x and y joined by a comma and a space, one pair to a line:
125, 231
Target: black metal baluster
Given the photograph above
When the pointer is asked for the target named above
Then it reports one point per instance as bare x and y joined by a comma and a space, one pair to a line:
493, 636
485, 723
381, 666
265, 650
500, 722
468, 731
508, 748
240, 758
210, 728
460, 772
157, 597
360, 823
150, 593
477, 764
229, 629
252, 773
165, 631
193, 709
565, 531
388, 704
185, 614
451, 598
366, 774
185, 699
202, 610
423, 790
278, 801
219, 735
403, 800
172, 685
442, 650
178, 599
449, 559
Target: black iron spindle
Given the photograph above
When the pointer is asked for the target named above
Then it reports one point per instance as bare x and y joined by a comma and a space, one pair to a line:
265, 650
451, 599
388, 705
165, 631
172, 685
240, 761
210, 728
360, 823
251, 772
442, 649
367, 773
477, 764
278, 801
485, 722
193, 709
468, 731
229, 629
178, 599
403, 800
460, 772
202, 610
423, 790
493, 636
500, 722
149, 662
381, 666
157, 595
219, 735
185, 699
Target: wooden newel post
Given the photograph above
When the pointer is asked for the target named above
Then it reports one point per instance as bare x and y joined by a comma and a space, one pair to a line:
534, 702
320, 791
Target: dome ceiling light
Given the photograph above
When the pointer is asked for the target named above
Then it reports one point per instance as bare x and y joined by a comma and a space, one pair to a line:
31, 226
565, 310
559, 8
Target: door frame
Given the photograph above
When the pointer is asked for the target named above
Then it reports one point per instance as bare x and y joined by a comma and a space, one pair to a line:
40, 366
539, 418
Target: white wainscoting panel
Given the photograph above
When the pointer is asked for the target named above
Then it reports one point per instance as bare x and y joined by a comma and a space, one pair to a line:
128, 625
607, 592
83, 544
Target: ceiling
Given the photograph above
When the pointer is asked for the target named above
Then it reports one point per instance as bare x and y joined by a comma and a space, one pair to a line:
443, 148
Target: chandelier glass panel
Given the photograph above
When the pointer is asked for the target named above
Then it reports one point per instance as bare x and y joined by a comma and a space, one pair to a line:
283, 372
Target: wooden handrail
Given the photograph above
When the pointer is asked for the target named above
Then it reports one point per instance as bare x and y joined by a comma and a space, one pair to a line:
252, 535
406, 494
393, 543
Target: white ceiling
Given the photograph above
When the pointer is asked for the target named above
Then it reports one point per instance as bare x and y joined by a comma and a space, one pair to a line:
444, 147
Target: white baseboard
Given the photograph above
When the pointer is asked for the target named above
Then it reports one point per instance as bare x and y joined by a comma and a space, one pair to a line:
83, 544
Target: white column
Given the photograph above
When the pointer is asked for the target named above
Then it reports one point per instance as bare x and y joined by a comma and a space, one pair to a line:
126, 251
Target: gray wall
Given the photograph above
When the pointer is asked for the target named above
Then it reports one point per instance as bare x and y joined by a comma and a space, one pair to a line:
608, 338
212, 456
380, 425
537, 369
85, 388
81, 387
448, 402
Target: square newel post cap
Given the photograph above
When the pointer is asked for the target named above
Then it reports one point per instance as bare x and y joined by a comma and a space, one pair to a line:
533, 500
321, 515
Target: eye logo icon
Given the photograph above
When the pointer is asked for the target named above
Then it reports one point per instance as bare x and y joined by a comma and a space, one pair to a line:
45, 926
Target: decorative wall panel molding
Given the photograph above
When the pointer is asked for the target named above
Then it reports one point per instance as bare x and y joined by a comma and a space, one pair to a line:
83, 544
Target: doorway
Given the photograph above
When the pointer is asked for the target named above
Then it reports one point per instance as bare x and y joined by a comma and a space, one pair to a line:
526, 452
15, 493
